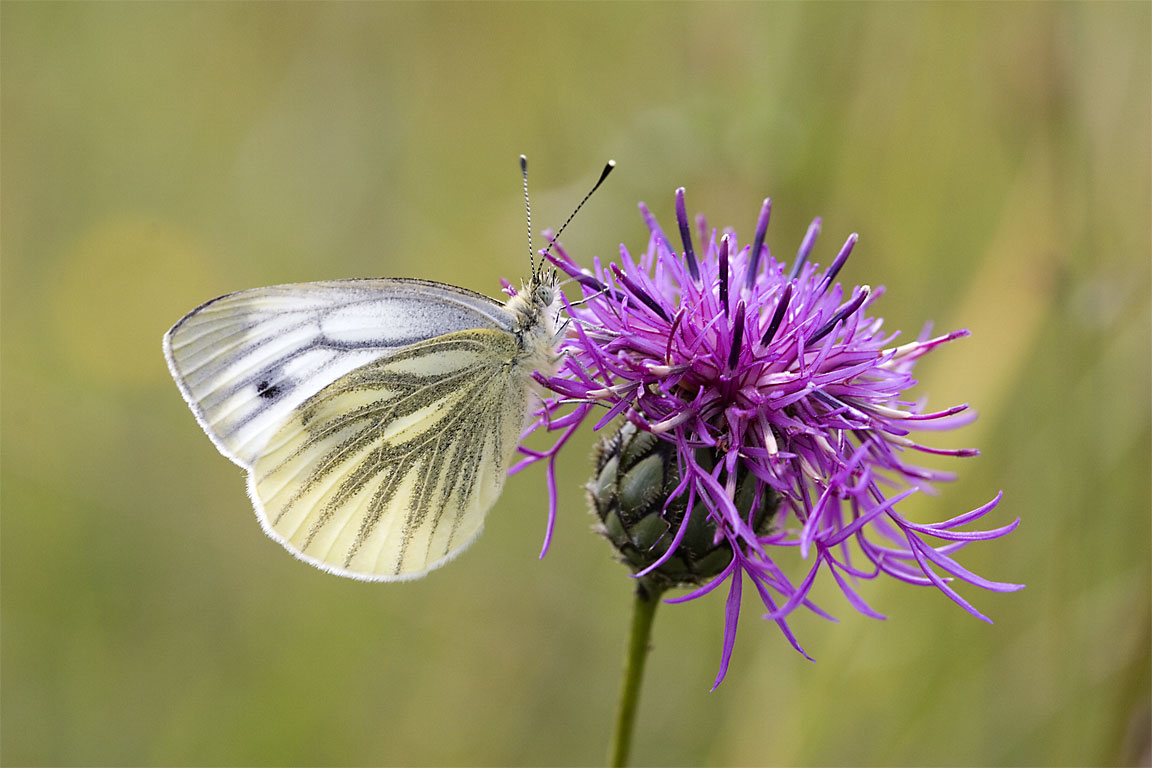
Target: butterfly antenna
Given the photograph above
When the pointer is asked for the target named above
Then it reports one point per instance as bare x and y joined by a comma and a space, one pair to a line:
528, 213
603, 175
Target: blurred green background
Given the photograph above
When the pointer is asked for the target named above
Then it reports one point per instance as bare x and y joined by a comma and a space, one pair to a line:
993, 158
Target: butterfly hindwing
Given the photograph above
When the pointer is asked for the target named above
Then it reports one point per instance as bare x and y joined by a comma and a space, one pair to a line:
389, 471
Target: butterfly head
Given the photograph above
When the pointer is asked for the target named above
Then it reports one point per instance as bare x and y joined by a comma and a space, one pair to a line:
544, 293
534, 305
542, 289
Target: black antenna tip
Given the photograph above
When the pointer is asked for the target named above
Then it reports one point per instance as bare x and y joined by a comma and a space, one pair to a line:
607, 170
524, 163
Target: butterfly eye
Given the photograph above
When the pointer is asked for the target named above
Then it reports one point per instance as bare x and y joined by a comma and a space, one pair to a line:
544, 295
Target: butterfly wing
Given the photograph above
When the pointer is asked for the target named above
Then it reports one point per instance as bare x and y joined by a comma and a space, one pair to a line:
376, 418
246, 361
389, 471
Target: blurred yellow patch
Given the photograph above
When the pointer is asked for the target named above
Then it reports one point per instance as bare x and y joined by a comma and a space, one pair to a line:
121, 286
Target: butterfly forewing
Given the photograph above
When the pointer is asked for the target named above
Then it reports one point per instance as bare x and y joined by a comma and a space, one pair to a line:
246, 361
388, 471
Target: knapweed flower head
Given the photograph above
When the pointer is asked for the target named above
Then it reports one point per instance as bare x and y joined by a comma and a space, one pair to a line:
779, 404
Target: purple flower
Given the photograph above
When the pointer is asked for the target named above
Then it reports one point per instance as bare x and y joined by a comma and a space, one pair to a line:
782, 375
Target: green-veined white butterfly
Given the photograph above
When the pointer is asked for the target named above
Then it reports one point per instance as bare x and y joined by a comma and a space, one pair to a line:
376, 418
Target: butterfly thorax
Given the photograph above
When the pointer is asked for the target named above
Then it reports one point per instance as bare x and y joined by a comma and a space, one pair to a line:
535, 328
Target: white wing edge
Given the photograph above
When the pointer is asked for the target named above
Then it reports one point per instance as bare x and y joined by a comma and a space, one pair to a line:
191, 401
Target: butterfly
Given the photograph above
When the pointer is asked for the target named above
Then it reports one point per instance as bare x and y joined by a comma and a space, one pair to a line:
376, 418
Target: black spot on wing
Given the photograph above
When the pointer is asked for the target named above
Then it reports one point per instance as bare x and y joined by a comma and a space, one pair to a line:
268, 390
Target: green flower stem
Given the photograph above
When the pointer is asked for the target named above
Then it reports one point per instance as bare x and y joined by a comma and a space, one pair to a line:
643, 611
